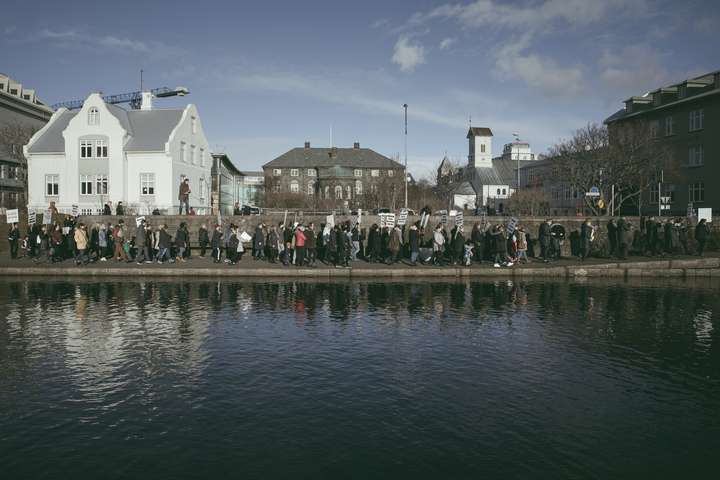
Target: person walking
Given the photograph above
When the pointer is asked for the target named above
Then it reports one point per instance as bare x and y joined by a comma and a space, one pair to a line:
216, 243
203, 239
300, 239
14, 239
103, 242
623, 238
458, 246
586, 236
259, 242
612, 237
310, 240
184, 196
118, 239
164, 243
233, 245
181, 242
438, 245
141, 244
522, 245
394, 244
81, 243
702, 232
414, 242
544, 238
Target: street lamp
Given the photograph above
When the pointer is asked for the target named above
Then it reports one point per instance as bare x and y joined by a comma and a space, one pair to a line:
405, 106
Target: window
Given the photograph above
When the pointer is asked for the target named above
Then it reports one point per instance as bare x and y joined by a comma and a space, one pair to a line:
101, 149
338, 192
3, 171
294, 187
358, 187
52, 185
86, 185
93, 116
391, 173
654, 128
276, 188
277, 172
101, 184
696, 192
202, 157
482, 148
696, 156
193, 124
86, 211
311, 188
498, 191
348, 192
669, 126
654, 194
86, 148
311, 172
327, 192
147, 184
202, 188
374, 173
504, 191
183, 152
294, 172
358, 172
696, 120
193, 156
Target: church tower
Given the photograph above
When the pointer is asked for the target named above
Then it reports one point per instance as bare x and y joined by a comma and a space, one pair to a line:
479, 147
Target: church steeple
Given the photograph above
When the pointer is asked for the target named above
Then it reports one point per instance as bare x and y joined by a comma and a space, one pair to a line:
479, 147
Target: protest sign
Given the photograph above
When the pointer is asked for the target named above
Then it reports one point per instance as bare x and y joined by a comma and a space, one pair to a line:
444, 219
459, 219
47, 217
12, 216
402, 220
139, 220
32, 217
511, 225
75, 210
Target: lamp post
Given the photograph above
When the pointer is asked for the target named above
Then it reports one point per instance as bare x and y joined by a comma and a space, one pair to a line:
517, 140
405, 106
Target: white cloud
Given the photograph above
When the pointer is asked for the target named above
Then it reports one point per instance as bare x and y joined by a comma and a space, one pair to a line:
446, 43
408, 55
381, 22
633, 69
82, 40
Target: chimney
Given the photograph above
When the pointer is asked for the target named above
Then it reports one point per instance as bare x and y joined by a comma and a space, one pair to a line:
356, 145
307, 145
146, 101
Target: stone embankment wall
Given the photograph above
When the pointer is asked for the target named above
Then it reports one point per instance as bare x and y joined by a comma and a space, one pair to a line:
248, 224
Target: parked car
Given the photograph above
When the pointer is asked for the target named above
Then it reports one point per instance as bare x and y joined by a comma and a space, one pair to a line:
355, 212
378, 211
250, 210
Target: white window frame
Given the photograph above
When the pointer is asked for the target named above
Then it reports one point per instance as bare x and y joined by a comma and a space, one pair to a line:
202, 188
311, 172
101, 149
696, 192
696, 156
193, 155
338, 192
183, 152
311, 188
87, 183
147, 184
93, 116
358, 187
87, 148
294, 187
102, 186
696, 120
277, 172
391, 173
669, 126
202, 157
193, 124
374, 172
358, 172
52, 185
294, 172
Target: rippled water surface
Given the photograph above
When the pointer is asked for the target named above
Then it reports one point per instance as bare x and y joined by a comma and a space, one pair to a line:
195, 379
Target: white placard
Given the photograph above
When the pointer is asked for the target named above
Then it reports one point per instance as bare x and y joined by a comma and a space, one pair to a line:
402, 219
32, 217
47, 217
459, 219
359, 217
330, 221
444, 219
75, 210
424, 220
511, 225
245, 237
390, 220
139, 220
12, 216
705, 213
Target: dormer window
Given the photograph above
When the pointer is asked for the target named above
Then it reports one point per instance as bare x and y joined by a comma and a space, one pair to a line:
93, 116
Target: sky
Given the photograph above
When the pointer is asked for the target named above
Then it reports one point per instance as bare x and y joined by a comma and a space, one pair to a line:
269, 75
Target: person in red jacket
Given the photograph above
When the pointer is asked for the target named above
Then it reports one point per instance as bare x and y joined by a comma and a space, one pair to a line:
299, 246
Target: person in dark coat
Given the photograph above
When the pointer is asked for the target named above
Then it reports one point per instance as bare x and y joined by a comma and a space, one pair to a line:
612, 237
107, 208
287, 236
374, 244
499, 246
216, 243
477, 238
232, 251
164, 244
702, 232
341, 244
414, 241
181, 242
310, 243
683, 237
258, 243
623, 228
14, 239
458, 246
203, 239
586, 236
332, 246
120, 209
544, 237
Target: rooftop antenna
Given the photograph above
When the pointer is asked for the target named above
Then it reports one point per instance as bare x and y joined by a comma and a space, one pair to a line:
470, 120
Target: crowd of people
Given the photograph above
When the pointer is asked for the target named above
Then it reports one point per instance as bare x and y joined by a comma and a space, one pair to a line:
501, 245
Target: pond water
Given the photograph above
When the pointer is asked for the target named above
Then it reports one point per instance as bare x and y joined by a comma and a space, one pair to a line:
397, 379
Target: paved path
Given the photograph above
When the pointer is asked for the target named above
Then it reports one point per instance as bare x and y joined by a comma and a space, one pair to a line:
681, 266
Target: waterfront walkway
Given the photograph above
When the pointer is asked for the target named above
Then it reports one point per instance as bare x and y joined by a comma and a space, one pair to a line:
681, 266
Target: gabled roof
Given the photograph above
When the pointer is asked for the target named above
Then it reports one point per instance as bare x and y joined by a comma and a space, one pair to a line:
321, 157
507, 169
479, 132
488, 176
465, 188
148, 130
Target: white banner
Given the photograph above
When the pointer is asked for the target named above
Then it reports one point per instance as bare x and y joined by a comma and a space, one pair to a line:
459, 219
402, 220
387, 220
444, 219
705, 213
47, 217
511, 225
32, 217
12, 216
139, 220
75, 210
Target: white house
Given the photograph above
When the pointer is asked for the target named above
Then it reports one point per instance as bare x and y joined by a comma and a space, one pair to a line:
103, 152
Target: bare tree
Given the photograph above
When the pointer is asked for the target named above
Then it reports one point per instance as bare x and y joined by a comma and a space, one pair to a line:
629, 158
530, 201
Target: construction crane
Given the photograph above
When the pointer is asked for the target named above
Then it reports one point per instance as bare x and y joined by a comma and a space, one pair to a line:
133, 98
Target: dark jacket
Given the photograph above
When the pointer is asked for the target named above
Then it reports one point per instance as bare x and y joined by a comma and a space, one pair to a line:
203, 238
258, 240
623, 229
164, 240
181, 238
544, 234
106, 210
310, 239
216, 241
414, 238
701, 232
